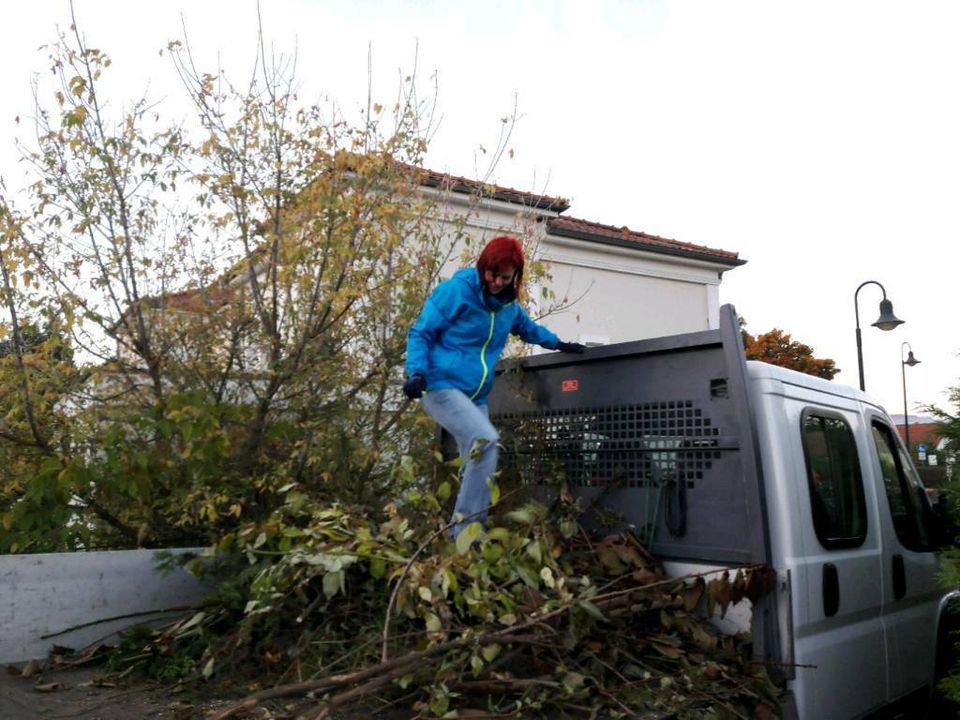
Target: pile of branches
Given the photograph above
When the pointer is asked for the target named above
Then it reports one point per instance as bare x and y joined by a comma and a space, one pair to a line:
336, 607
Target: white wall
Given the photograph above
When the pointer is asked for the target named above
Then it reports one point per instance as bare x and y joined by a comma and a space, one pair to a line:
622, 307
624, 293
41, 596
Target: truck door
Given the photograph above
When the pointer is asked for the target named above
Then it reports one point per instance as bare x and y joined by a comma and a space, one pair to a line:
840, 642
911, 593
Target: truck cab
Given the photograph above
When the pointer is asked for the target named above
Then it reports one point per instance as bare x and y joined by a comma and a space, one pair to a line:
853, 538
718, 462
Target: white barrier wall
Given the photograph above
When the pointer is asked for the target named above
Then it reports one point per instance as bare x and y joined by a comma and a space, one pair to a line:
61, 598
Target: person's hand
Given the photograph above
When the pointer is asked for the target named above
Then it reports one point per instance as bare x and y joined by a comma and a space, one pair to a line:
413, 388
571, 347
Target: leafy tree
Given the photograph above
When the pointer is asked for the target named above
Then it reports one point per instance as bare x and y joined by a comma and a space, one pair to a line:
948, 423
779, 348
236, 292
36, 375
948, 509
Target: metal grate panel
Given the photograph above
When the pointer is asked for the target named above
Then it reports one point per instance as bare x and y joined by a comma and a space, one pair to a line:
634, 446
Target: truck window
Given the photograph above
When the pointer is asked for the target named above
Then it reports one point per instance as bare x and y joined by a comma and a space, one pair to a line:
835, 482
909, 509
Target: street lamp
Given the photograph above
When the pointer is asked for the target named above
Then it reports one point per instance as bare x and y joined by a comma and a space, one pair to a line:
886, 321
911, 361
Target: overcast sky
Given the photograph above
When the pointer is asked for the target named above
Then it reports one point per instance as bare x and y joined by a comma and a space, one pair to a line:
819, 139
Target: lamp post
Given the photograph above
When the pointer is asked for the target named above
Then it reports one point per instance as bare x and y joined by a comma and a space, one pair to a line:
911, 361
886, 321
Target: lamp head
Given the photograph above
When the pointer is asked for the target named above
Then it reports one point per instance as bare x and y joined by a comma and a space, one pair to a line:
911, 360
887, 320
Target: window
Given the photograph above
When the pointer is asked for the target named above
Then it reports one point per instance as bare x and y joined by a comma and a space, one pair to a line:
909, 509
834, 479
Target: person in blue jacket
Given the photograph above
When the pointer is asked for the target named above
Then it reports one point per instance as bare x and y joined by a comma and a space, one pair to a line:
452, 350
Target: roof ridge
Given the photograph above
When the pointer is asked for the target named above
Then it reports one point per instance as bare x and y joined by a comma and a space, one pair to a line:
461, 183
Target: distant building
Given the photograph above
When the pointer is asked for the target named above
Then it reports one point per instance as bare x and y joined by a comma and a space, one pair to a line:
923, 433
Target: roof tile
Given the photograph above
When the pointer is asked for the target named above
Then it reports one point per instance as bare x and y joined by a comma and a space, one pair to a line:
567, 226
457, 184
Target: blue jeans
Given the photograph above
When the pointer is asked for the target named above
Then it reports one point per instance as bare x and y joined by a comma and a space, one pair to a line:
477, 443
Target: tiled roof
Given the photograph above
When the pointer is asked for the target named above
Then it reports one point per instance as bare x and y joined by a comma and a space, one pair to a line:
926, 433
198, 300
586, 230
454, 183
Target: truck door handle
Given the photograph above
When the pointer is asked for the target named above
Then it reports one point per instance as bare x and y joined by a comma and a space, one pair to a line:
899, 577
831, 590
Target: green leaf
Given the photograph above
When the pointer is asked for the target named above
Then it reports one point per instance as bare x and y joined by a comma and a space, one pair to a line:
592, 609
521, 516
490, 651
443, 492
498, 533
332, 583
439, 705
433, 623
378, 567
529, 578
494, 491
465, 539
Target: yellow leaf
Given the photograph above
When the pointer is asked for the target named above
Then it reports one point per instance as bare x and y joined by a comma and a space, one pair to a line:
47, 687
494, 491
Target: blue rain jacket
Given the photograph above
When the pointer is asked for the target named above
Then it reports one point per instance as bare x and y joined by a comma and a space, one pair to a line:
461, 331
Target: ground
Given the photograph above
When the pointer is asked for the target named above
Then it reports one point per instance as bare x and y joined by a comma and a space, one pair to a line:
92, 693
80, 693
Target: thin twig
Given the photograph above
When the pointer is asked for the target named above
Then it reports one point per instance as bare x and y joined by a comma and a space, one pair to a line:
101, 621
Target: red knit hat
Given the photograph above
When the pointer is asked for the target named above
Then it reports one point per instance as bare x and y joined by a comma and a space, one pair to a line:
501, 253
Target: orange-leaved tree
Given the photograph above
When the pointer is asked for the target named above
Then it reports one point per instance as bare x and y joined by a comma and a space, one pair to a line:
779, 348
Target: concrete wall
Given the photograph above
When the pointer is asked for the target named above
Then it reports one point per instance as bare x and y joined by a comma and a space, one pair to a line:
43, 596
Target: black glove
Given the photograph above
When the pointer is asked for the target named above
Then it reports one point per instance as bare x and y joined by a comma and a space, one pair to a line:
414, 387
571, 347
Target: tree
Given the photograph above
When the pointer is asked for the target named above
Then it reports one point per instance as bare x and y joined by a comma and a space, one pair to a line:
778, 348
948, 511
36, 375
238, 292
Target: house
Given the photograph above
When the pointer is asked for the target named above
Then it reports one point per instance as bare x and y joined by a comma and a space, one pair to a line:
603, 284
935, 464
608, 284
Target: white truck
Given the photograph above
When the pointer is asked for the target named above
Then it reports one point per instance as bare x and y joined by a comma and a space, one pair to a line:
721, 461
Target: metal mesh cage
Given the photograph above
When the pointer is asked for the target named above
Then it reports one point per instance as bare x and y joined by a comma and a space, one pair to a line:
627, 446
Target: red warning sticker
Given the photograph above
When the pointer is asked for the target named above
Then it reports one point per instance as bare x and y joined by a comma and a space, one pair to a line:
570, 385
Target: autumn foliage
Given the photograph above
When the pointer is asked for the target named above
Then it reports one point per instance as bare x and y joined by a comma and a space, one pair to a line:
779, 348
